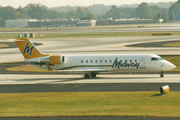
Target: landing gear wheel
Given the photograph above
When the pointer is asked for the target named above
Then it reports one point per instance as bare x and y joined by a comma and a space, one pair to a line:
93, 75
162, 74
86, 76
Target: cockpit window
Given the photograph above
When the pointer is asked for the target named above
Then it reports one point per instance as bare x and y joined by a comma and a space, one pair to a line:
156, 58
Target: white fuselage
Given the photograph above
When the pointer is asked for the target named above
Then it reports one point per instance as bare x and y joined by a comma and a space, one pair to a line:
109, 62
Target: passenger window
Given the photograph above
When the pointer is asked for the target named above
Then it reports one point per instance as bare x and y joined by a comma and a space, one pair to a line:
91, 61
105, 61
81, 61
125, 60
135, 60
96, 61
86, 61
130, 60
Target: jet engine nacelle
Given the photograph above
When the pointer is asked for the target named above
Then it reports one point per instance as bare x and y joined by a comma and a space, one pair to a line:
53, 59
56, 59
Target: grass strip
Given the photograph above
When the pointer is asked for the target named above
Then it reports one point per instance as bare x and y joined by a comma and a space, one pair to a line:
176, 44
90, 104
175, 60
3, 45
94, 35
27, 68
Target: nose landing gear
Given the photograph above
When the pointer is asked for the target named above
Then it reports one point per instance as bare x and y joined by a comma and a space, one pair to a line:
162, 74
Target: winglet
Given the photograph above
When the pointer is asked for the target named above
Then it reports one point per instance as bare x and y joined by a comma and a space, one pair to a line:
28, 49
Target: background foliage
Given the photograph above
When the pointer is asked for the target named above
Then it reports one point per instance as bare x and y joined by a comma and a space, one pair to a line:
167, 11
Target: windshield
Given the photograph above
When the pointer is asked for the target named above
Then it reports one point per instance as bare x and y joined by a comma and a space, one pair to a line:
156, 58
160, 58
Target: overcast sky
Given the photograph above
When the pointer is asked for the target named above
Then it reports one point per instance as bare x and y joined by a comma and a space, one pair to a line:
55, 3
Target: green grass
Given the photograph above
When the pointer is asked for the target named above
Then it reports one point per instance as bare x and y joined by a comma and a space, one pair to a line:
176, 44
27, 68
90, 104
3, 45
9, 36
83, 35
175, 60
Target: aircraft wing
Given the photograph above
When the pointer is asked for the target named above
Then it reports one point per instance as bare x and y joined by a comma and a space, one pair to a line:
77, 70
82, 71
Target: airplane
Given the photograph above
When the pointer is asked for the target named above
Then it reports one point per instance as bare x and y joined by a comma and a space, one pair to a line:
91, 65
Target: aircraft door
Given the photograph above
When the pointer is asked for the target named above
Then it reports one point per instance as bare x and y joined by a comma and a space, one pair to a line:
142, 63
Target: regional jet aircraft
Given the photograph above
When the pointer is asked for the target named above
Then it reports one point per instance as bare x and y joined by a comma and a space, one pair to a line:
91, 65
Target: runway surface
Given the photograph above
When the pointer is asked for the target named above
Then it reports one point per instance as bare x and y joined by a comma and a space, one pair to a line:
110, 78
90, 87
10, 83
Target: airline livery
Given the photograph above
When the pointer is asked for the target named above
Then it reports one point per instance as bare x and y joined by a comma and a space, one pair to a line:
91, 65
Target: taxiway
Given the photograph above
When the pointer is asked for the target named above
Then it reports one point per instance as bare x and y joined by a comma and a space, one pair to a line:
66, 79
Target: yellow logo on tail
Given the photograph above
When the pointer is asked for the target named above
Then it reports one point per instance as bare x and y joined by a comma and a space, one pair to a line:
28, 49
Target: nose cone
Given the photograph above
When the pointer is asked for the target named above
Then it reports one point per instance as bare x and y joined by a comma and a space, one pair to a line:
172, 66
169, 66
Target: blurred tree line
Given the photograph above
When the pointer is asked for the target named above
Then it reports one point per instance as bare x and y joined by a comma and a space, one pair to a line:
169, 13
38, 11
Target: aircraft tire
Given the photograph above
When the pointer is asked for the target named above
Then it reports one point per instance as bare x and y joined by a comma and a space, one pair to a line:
93, 75
86, 76
162, 74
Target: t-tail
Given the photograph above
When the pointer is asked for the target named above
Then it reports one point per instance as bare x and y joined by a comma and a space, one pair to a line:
28, 49
33, 55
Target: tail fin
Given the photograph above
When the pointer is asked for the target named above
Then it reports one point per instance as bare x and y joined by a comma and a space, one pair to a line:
28, 49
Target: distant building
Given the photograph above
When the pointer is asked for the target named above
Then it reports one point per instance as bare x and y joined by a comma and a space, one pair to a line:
130, 21
55, 23
135, 20
61, 23
16, 23
83, 23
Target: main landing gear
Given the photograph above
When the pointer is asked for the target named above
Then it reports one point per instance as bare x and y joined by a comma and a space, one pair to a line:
162, 74
93, 75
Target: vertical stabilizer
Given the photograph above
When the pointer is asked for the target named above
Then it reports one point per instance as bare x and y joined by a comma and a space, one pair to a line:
28, 49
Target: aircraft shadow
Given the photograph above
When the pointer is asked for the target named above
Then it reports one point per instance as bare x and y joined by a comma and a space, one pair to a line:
59, 80
125, 77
